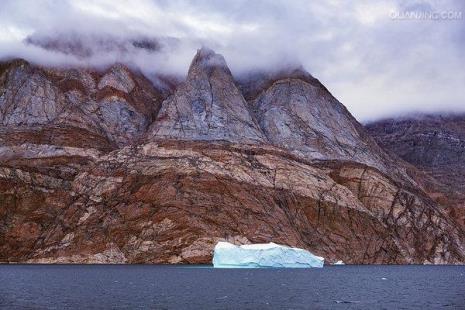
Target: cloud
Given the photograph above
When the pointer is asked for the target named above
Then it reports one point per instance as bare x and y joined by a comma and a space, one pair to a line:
376, 65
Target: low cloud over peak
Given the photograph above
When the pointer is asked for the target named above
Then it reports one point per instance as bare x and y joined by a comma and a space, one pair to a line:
380, 58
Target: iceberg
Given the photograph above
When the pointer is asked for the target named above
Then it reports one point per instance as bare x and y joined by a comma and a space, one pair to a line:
339, 262
266, 255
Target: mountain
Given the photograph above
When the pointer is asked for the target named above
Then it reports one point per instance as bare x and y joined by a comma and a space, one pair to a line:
103, 166
435, 144
107, 108
208, 106
298, 113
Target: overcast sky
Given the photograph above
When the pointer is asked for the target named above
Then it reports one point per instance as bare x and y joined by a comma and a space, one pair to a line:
373, 57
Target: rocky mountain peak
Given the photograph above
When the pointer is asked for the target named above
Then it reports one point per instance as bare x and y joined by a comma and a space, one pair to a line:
296, 112
207, 59
254, 83
208, 106
207, 64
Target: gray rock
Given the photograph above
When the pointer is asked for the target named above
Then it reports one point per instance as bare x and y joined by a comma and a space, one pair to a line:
117, 105
307, 120
121, 120
208, 106
118, 78
29, 98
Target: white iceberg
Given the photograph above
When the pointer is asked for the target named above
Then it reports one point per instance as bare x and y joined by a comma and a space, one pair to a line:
228, 255
339, 262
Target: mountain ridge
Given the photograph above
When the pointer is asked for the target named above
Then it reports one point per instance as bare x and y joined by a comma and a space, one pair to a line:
122, 172
434, 144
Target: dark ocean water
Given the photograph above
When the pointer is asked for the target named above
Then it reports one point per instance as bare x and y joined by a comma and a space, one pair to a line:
165, 287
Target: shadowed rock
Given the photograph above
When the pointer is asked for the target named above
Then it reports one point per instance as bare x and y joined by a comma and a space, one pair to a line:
435, 144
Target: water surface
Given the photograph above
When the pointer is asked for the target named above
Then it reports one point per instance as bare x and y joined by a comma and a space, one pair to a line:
169, 287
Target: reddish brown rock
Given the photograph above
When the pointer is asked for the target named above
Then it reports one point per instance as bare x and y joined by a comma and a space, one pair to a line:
171, 202
435, 145
85, 179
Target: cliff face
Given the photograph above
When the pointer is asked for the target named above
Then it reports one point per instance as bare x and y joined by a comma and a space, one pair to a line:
208, 106
112, 108
171, 202
435, 144
101, 167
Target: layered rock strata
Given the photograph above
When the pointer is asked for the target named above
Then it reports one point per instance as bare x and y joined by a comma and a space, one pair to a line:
103, 167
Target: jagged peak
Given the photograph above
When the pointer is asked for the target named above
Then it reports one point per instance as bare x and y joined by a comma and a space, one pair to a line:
7, 64
207, 60
118, 66
291, 72
205, 52
14, 62
253, 83
297, 72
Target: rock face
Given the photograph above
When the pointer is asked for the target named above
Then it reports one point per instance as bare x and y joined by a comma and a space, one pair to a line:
208, 106
296, 112
29, 98
435, 144
116, 105
92, 170
172, 202
306, 119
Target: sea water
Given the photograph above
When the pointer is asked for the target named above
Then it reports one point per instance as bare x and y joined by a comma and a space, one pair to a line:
180, 287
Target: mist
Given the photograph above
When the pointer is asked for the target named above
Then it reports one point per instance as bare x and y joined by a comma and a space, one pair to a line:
374, 61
